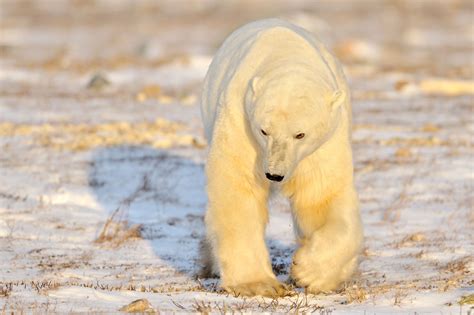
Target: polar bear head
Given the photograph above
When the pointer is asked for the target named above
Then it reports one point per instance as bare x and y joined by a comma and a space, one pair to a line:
290, 117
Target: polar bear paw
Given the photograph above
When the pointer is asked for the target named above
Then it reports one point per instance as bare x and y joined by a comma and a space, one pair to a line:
268, 288
313, 272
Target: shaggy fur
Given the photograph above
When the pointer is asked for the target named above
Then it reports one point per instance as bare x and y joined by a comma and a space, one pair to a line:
268, 84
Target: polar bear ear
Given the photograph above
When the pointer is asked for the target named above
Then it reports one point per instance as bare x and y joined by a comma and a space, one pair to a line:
254, 84
338, 98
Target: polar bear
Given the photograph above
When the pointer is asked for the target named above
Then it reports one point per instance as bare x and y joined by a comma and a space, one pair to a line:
277, 115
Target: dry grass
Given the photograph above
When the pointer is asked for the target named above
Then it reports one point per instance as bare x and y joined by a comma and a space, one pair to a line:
42, 287
467, 299
138, 306
5, 289
392, 213
399, 296
117, 231
355, 294
457, 266
298, 304
411, 240
202, 307
61, 61
160, 133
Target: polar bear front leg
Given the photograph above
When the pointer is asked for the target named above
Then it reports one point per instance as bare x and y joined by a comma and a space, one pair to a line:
236, 218
329, 250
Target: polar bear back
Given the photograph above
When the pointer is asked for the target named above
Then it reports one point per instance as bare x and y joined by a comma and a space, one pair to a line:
249, 49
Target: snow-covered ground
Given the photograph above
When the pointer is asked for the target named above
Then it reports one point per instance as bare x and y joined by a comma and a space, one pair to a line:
102, 154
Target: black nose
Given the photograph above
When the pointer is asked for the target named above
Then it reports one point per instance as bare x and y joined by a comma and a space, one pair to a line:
277, 178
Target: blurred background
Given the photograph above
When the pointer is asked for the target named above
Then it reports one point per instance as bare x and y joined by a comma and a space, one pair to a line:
157, 51
89, 31
422, 36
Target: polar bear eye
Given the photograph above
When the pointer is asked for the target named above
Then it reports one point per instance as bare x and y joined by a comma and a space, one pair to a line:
263, 132
300, 136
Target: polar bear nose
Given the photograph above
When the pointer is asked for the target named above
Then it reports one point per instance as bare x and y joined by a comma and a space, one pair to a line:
277, 178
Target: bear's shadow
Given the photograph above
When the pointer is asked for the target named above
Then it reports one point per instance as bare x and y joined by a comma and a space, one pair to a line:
164, 192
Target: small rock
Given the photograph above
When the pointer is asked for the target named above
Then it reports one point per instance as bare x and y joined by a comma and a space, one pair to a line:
199, 143
401, 85
407, 87
98, 82
137, 306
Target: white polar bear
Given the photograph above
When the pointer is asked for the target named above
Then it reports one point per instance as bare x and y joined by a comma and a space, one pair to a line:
276, 111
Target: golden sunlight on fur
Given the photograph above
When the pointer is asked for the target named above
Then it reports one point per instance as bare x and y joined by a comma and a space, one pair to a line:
277, 114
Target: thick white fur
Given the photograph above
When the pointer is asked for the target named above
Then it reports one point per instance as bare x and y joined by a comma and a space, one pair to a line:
275, 76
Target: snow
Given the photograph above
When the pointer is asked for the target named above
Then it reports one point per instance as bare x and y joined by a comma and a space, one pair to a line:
71, 157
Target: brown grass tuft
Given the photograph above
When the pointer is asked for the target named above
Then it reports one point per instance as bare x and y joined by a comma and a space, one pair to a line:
5, 289
355, 294
467, 299
117, 231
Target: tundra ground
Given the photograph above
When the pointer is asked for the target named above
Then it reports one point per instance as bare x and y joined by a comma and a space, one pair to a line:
102, 154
